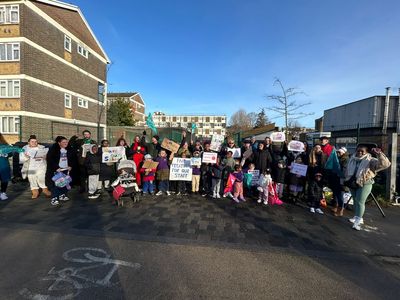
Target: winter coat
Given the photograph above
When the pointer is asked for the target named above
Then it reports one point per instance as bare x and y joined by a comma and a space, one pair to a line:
162, 168
262, 160
53, 160
216, 171
92, 163
26, 160
107, 170
315, 191
153, 149
5, 170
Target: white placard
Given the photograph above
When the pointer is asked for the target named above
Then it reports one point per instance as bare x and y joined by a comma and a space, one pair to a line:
41, 153
298, 169
237, 153
209, 157
296, 146
113, 154
195, 161
278, 137
86, 148
216, 142
255, 177
180, 169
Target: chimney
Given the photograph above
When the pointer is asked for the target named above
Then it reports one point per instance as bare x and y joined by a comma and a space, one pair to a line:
386, 111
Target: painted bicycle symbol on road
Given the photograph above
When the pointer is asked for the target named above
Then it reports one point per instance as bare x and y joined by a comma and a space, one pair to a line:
69, 282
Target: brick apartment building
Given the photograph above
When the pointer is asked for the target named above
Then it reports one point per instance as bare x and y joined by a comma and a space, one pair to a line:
137, 103
52, 72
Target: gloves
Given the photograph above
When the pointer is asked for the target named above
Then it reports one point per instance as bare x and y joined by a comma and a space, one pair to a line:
144, 132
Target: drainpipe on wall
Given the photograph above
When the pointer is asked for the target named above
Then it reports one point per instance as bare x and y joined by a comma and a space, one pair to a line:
386, 111
398, 114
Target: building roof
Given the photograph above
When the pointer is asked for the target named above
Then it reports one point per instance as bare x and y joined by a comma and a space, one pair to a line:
71, 18
257, 131
137, 97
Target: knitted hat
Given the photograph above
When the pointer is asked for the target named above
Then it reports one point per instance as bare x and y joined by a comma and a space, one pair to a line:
343, 150
147, 156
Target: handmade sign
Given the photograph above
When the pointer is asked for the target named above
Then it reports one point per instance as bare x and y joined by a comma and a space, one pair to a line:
236, 152
298, 169
209, 157
216, 142
86, 148
278, 137
113, 154
180, 169
296, 146
196, 161
41, 153
255, 178
148, 164
170, 145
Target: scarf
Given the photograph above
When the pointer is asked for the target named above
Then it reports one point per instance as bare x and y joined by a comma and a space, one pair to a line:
363, 172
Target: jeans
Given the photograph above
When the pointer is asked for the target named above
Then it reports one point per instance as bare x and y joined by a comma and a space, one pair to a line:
216, 183
148, 187
57, 192
164, 185
360, 196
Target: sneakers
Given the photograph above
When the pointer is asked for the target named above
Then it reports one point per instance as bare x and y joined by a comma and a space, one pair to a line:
242, 199
64, 198
3, 196
357, 226
353, 220
318, 210
235, 199
92, 196
178, 193
357, 221
159, 193
168, 193
204, 195
54, 201
265, 202
259, 200
312, 210
218, 196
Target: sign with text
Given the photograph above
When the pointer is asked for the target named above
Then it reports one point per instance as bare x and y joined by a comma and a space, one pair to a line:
255, 177
278, 137
296, 146
170, 145
196, 161
149, 164
209, 157
180, 169
86, 148
298, 169
41, 153
236, 152
216, 142
113, 154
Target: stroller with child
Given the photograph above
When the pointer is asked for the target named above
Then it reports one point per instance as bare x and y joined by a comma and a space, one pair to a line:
125, 185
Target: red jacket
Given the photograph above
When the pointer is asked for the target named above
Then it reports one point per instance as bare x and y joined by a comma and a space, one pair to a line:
150, 176
138, 158
327, 149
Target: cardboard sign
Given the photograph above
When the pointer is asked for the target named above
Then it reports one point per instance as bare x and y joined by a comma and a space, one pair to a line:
298, 169
196, 161
216, 142
113, 154
180, 169
209, 157
170, 145
150, 164
237, 153
296, 146
278, 137
255, 177
86, 148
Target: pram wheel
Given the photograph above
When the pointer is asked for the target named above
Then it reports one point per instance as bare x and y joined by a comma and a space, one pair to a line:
135, 197
120, 202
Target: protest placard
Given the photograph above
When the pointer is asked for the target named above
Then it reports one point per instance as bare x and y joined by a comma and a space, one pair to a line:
216, 142
278, 137
196, 161
170, 145
236, 152
180, 169
209, 157
296, 146
41, 153
86, 148
255, 177
113, 154
298, 169
150, 164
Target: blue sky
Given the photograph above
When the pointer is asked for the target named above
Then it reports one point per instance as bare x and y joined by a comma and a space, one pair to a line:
217, 56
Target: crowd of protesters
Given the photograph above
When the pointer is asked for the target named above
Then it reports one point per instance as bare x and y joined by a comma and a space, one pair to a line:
230, 176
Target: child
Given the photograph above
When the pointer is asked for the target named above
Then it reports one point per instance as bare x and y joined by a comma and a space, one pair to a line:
93, 165
238, 184
280, 174
296, 182
148, 177
249, 181
138, 157
163, 173
106, 169
263, 184
216, 173
181, 185
315, 193
196, 172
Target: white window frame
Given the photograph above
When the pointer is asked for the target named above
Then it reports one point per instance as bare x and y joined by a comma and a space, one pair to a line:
83, 103
5, 85
6, 12
68, 40
67, 97
6, 130
14, 47
82, 51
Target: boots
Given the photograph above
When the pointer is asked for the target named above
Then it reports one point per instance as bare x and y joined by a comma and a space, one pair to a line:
35, 194
339, 212
46, 192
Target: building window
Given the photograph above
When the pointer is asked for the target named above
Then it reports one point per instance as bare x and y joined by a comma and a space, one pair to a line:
82, 51
67, 43
83, 103
9, 14
100, 91
10, 88
9, 125
9, 52
67, 101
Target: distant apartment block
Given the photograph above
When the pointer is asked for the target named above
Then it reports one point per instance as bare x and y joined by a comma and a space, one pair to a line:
206, 125
138, 106
52, 72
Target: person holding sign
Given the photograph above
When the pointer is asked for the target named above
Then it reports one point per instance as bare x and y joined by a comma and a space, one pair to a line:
196, 173
93, 164
163, 173
206, 172
296, 181
34, 166
107, 169
262, 158
148, 175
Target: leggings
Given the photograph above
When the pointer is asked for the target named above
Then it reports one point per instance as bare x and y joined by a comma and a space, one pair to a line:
4, 185
360, 196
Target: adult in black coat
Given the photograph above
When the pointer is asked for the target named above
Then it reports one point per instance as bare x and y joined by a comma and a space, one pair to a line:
262, 158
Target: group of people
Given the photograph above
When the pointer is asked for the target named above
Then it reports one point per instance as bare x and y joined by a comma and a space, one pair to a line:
262, 171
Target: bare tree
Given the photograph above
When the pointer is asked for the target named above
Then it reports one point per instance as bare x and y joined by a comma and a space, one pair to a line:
286, 107
252, 118
240, 120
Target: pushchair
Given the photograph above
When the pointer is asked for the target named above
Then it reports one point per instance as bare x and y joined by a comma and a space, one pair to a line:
125, 185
